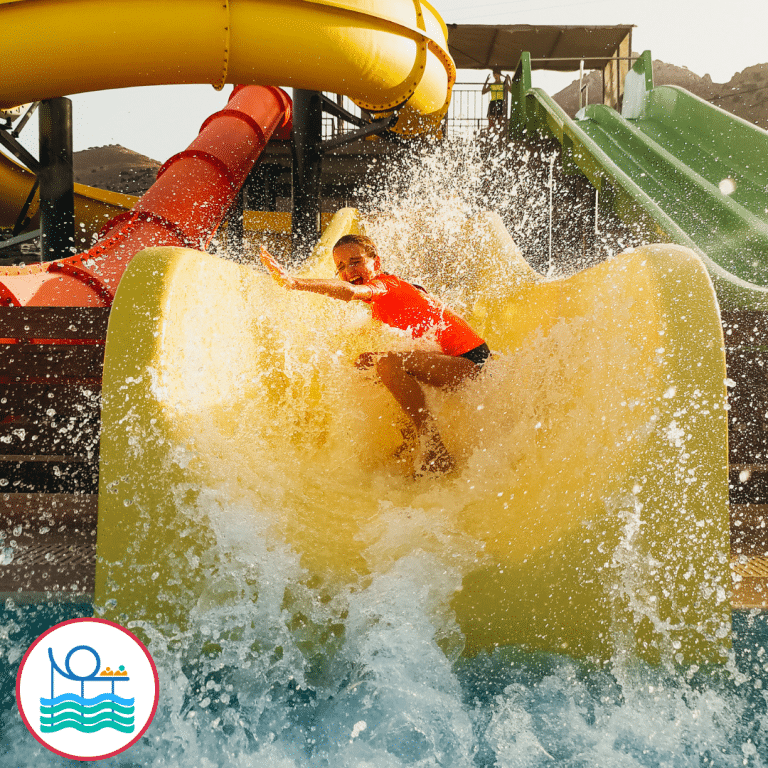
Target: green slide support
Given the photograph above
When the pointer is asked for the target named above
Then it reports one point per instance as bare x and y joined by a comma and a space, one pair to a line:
678, 168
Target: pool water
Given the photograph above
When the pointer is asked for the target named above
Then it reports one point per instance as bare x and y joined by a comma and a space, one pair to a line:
390, 697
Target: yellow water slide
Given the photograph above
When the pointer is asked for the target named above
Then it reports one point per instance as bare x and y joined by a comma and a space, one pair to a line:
588, 514
383, 54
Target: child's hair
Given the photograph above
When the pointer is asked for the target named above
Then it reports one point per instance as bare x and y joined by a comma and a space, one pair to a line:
364, 242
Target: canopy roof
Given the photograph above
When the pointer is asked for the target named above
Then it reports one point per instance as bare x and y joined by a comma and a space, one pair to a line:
490, 46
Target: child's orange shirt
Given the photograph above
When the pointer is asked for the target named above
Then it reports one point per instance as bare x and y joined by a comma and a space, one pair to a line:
406, 307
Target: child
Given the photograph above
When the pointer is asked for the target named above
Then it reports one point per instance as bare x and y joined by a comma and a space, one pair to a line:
401, 305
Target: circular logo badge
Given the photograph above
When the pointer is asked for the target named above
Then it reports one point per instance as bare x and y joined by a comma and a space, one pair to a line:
87, 689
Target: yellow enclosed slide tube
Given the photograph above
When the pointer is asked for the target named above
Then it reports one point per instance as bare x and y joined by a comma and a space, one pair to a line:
383, 54
588, 514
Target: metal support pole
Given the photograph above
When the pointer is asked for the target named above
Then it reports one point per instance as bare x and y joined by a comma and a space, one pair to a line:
57, 178
236, 225
306, 141
260, 189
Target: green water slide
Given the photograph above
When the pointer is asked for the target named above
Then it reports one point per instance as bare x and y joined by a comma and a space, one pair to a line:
675, 166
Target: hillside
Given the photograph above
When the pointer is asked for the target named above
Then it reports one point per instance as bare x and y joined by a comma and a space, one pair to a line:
116, 169
744, 95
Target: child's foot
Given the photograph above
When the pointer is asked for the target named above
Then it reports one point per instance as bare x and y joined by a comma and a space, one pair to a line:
436, 460
404, 452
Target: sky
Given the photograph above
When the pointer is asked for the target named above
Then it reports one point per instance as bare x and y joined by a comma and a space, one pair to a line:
707, 36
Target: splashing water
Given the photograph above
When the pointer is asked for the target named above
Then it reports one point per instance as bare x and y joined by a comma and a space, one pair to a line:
392, 698
279, 667
418, 208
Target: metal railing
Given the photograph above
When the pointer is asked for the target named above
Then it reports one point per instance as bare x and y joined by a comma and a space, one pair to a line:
333, 127
467, 112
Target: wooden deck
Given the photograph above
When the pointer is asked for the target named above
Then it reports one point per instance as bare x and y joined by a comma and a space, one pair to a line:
750, 582
47, 546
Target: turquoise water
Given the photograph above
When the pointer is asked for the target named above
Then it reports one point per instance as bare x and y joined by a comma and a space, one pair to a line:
86, 715
387, 696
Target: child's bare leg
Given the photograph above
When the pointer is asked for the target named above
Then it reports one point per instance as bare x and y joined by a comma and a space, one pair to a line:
401, 373
410, 441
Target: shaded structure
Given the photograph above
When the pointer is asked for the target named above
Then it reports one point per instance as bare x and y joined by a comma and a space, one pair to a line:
558, 48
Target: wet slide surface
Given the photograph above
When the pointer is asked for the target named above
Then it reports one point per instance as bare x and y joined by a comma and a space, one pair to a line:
683, 154
590, 504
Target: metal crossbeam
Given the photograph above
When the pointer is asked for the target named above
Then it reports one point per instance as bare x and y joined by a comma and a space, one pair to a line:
22, 220
25, 238
338, 111
18, 129
370, 129
19, 152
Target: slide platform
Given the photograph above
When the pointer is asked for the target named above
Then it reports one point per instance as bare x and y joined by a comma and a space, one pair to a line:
679, 168
589, 511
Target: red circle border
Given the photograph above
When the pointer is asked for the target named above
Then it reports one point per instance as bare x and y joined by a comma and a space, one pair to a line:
151, 663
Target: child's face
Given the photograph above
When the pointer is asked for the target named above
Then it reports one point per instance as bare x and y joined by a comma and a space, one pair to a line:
353, 265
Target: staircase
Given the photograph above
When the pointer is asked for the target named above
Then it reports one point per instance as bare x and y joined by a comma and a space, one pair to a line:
51, 362
746, 349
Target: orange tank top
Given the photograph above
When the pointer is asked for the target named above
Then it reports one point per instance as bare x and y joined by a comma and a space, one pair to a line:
406, 307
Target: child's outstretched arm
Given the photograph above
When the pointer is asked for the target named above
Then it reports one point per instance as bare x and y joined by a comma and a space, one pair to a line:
335, 289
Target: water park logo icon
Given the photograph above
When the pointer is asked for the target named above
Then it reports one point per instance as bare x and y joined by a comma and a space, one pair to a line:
76, 705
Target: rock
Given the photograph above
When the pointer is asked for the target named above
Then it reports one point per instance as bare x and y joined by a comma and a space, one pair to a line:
744, 95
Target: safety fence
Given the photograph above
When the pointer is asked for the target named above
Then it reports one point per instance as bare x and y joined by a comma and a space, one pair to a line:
467, 113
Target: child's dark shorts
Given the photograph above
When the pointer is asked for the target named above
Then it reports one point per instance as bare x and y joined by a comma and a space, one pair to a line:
478, 355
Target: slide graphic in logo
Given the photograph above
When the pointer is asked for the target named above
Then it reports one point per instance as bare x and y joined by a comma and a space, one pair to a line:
79, 707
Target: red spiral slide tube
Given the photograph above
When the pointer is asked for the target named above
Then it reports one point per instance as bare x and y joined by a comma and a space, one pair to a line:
184, 207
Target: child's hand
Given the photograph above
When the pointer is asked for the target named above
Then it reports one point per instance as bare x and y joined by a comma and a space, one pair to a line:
280, 276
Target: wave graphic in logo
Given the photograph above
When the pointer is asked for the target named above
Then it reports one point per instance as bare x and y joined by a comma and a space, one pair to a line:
107, 710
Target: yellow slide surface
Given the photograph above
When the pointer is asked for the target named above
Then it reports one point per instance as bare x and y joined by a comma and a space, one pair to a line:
588, 514
381, 53
93, 207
